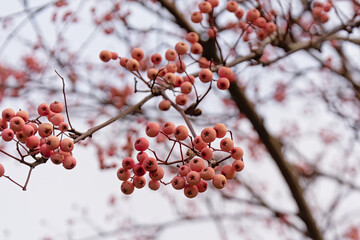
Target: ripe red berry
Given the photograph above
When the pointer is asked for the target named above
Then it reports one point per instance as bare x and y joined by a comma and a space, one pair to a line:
139, 181
238, 165
181, 132
196, 17
7, 114
219, 181
196, 48
23, 114
164, 105
196, 164
207, 173
192, 37
56, 107
178, 182
69, 162
141, 144
123, 61
170, 55
237, 153
199, 143
220, 130
139, 170
208, 134
205, 7
150, 164
186, 87
206, 153
168, 128
191, 191
123, 174
252, 15
260, 22
128, 163
67, 145
32, 142
152, 129
184, 170
105, 55
154, 185
231, 6
239, 13
17, 124
181, 99
202, 186
228, 171
205, 75
157, 174
181, 48
141, 156
137, 54
226, 144
52, 142
132, 65
127, 187
56, 119
57, 158
2, 170
156, 58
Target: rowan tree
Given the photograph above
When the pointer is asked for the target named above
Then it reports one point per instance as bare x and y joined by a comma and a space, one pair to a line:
250, 108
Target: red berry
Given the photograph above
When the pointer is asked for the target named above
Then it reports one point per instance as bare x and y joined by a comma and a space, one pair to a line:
178, 182
219, 181
181, 132
237, 153
105, 55
191, 191
139, 181
208, 134
206, 153
67, 145
128, 163
220, 130
141, 144
2, 170
123, 174
152, 129
69, 162
127, 187
207, 173
228, 171
238, 165
157, 174
154, 185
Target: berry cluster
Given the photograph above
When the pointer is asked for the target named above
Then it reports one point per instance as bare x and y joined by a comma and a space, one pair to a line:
37, 139
192, 174
320, 11
263, 26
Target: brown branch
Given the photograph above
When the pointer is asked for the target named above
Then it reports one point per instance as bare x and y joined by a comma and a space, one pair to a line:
113, 119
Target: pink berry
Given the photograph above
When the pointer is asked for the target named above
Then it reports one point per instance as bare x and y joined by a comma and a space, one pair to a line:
181, 99
139, 181
219, 181
152, 73
196, 48
45, 152
141, 144
132, 65
67, 145
28, 130
214, 3
181, 48
123, 61
202, 186
45, 129
252, 15
52, 142
220, 129
239, 13
208, 134
231, 6
156, 58
205, 7
150, 164
69, 162
184, 170
56, 107
105, 55
17, 124
3, 124
141, 156
228, 171
207, 173
260, 22
7, 135
57, 118
206, 153
7, 114
157, 174
152, 129
171, 67
199, 143
164, 105
170, 78
178, 182
226, 144
139, 170
123, 174
114, 55
127, 187
238, 165
168, 128
197, 164
189, 78
192, 37
186, 87
270, 27
196, 17
137, 54
2, 170
63, 127
43, 109
191, 191
225, 72
170, 55
57, 158
23, 114
32, 142
154, 185
128, 163
205, 75
181, 132
237, 153
223, 83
